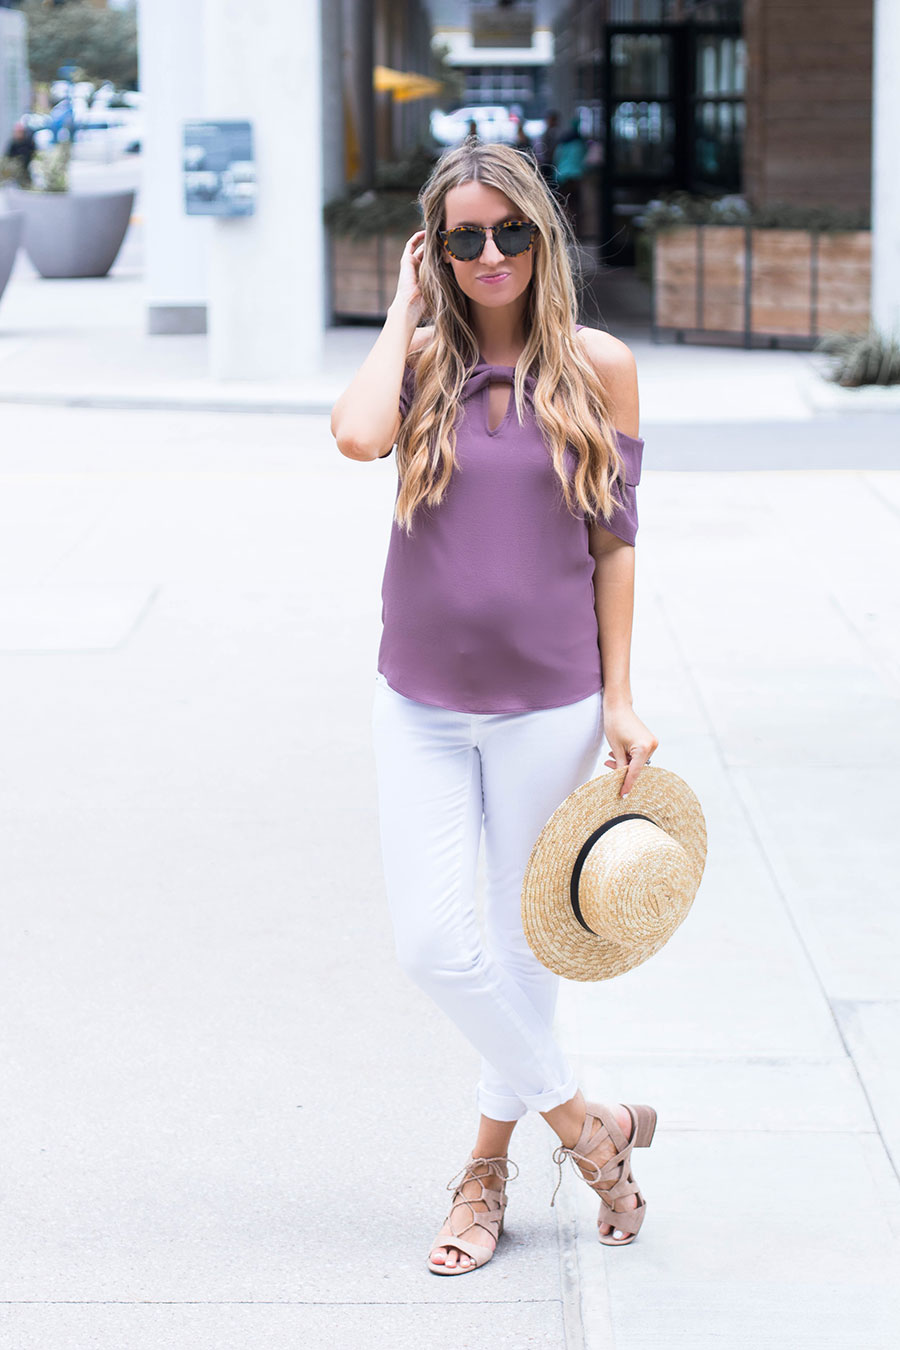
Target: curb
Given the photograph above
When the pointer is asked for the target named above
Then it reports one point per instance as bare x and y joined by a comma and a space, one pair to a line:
823, 396
570, 1274
171, 402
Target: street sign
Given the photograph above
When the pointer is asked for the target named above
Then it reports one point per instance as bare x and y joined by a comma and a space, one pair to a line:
219, 169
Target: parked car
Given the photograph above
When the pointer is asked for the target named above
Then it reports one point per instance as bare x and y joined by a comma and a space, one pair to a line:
535, 128
106, 132
494, 123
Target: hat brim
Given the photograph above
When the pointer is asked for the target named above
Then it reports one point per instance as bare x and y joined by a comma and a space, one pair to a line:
553, 932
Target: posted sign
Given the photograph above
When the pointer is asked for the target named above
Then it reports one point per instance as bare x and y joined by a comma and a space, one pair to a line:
219, 170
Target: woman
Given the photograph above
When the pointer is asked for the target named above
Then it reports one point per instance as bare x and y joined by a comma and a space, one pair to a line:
508, 596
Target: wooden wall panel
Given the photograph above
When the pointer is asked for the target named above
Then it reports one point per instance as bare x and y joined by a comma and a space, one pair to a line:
809, 102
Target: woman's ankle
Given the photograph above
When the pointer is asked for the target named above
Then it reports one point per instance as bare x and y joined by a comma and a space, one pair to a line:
567, 1120
493, 1138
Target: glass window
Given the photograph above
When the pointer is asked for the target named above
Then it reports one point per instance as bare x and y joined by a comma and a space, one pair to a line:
643, 137
641, 64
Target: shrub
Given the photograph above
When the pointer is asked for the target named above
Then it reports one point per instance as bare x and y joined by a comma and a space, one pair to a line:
685, 208
102, 42
50, 168
861, 358
371, 213
13, 170
391, 206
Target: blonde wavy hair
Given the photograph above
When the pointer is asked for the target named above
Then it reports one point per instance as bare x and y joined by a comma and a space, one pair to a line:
570, 401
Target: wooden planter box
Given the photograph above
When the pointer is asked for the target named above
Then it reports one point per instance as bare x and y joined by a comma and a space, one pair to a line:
717, 281
364, 274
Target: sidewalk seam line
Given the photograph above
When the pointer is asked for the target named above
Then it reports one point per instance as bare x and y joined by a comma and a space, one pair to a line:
738, 783
266, 1302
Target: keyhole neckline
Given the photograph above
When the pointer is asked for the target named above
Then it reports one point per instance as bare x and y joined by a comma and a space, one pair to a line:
486, 403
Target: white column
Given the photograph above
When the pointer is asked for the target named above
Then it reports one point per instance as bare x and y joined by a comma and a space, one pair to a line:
885, 161
266, 293
175, 246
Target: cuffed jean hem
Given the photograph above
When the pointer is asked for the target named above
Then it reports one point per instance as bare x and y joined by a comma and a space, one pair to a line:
514, 1108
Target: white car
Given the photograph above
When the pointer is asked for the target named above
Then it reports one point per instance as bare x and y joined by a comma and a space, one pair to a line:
108, 132
493, 122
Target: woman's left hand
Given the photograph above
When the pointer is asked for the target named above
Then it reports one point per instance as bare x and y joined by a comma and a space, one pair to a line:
631, 743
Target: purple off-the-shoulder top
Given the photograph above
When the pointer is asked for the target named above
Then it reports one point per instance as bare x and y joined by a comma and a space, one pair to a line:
488, 605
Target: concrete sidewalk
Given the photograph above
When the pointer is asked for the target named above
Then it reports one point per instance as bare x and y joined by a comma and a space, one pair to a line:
210, 1139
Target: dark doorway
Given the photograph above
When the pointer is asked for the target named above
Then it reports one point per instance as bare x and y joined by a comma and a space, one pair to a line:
673, 100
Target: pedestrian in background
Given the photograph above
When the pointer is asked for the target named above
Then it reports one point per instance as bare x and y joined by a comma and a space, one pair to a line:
547, 145
568, 160
507, 604
20, 149
522, 142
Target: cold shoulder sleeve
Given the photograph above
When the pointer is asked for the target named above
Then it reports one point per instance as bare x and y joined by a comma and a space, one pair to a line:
623, 522
407, 390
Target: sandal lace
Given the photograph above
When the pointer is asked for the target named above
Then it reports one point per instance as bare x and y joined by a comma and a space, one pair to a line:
494, 1165
479, 1218
604, 1173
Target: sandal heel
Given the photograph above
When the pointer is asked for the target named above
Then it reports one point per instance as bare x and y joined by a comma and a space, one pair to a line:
645, 1125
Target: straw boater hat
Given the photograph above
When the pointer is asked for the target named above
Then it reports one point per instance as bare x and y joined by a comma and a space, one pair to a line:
611, 878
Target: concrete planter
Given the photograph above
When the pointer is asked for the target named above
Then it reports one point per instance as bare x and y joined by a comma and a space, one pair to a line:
10, 238
761, 286
364, 274
73, 234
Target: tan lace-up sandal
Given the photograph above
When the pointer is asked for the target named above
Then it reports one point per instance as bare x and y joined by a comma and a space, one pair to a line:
616, 1169
490, 1219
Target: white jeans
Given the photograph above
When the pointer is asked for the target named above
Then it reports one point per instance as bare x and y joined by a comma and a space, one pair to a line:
440, 775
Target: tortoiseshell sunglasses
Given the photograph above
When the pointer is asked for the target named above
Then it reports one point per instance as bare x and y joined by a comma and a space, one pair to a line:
465, 243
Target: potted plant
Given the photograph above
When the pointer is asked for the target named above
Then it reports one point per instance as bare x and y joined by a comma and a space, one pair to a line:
10, 238
723, 268
65, 233
367, 231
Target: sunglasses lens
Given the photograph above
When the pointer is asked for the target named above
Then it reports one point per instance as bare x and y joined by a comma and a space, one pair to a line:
466, 244
513, 239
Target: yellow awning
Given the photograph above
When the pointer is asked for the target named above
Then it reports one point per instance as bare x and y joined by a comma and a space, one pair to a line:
404, 84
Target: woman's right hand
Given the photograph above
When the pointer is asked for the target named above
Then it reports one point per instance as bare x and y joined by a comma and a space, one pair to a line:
409, 294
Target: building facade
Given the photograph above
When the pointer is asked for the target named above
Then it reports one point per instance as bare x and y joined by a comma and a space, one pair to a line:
773, 98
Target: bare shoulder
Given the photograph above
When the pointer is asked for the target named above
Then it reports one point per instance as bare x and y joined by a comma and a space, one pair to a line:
603, 348
614, 362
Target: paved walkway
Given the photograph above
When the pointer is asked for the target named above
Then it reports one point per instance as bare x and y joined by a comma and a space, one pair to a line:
208, 1138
